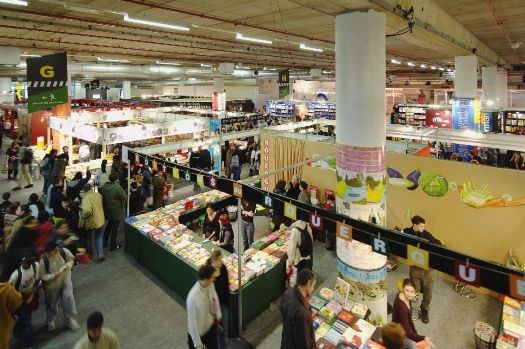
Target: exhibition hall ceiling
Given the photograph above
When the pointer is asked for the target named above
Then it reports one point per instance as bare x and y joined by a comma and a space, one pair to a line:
202, 34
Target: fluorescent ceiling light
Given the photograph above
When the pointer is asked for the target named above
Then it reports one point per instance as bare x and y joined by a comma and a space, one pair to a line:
411, 64
14, 2
433, 67
205, 65
112, 60
395, 61
327, 72
28, 55
442, 69
167, 63
239, 67
423, 66
155, 24
449, 70
247, 38
490, 102
308, 48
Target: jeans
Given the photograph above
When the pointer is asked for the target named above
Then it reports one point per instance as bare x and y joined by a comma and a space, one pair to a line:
84, 159
410, 344
95, 242
236, 173
247, 231
62, 292
110, 233
23, 327
46, 183
12, 173
26, 172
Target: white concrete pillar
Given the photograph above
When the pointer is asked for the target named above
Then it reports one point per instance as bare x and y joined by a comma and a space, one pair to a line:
126, 89
466, 77
361, 180
502, 77
5, 90
218, 84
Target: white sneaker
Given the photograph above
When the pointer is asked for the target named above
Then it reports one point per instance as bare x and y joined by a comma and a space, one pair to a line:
73, 324
51, 325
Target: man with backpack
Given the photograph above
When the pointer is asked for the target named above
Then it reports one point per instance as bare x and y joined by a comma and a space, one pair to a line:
25, 280
56, 273
300, 247
25, 163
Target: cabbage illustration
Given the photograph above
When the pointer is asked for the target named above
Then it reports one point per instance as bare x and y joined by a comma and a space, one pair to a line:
433, 184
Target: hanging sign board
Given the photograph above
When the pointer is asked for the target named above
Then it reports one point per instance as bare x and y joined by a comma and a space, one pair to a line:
46, 81
284, 83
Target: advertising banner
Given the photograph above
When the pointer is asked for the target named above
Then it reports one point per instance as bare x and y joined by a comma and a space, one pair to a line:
439, 118
47, 81
463, 113
284, 83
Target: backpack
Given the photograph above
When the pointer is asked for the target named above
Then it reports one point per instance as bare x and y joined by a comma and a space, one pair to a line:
27, 156
19, 278
45, 164
46, 260
306, 246
235, 160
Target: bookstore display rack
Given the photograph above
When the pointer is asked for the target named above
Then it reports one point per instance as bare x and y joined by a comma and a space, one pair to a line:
514, 122
512, 328
321, 110
280, 108
414, 115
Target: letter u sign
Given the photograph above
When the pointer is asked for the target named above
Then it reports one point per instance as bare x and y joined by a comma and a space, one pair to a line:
467, 274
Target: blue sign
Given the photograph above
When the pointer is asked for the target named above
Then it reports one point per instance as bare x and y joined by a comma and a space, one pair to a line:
464, 151
463, 113
215, 126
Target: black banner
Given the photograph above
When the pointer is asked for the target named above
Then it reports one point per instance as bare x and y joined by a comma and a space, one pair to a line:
495, 277
47, 81
284, 83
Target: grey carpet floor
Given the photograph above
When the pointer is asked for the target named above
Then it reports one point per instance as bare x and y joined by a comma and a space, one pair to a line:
146, 314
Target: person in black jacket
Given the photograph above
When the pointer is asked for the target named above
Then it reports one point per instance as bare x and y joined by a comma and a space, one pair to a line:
298, 331
222, 287
293, 189
196, 163
136, 199
422, 279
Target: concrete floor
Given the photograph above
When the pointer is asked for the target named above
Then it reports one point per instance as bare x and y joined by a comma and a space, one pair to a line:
145, 314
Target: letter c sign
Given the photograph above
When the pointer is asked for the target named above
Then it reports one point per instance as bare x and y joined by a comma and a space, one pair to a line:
47, 72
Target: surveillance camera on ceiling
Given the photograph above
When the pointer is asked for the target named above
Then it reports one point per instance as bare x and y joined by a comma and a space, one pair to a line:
255, 72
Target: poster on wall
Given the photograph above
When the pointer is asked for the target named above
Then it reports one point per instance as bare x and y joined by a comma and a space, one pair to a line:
47, 81
215, 126
284, 83
439, 118
463, 113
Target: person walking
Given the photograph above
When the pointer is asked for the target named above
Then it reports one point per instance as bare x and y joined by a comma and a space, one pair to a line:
298, 331
10, 301
136, 199
25, 280
11, 155
56, 265
235, 164
196, 163
97, 336
204, 310
84, 152
92, 220
247, 226
222, 287
300, 247
114, 200
422, 279
228, 160
26, 158
75, 186
46, 168
158, 190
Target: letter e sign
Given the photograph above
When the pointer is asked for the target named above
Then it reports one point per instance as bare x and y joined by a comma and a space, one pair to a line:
517, 287
344, 231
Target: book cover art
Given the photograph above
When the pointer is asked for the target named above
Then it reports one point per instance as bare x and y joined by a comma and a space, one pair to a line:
341, 290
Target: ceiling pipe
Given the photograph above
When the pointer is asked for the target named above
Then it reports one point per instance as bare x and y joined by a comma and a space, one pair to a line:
224, 20
135, 28
147, 42
499, 23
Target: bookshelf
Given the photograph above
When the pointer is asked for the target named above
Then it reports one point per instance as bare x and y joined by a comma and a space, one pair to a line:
514, 122
512, 328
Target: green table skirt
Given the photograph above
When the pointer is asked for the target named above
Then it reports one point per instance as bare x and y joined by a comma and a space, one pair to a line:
180, 276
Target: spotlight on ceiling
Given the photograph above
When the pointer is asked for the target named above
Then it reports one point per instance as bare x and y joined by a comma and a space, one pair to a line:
407, 83
515, 45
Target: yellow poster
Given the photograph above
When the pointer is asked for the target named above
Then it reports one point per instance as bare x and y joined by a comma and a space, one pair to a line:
200, 179
417, 257
175, 173
237, 190
290, 211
